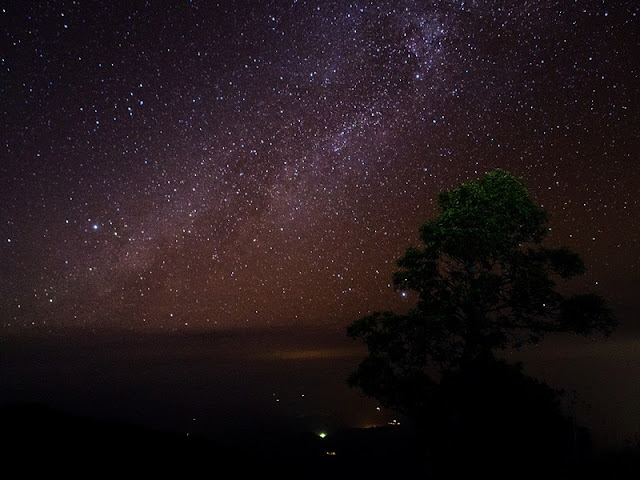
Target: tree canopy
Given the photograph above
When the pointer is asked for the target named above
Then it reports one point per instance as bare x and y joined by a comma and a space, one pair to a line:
484, 282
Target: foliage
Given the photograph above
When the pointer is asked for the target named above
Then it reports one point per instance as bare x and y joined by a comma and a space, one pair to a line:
484, 282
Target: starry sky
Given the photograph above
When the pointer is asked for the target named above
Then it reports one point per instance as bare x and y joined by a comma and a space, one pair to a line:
192, 165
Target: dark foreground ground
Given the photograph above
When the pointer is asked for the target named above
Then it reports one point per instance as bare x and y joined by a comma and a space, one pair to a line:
37, 441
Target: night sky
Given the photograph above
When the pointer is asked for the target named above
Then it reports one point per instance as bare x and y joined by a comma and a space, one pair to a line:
199, 165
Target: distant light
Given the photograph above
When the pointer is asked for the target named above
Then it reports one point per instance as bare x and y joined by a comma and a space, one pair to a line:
94, 226
322, 434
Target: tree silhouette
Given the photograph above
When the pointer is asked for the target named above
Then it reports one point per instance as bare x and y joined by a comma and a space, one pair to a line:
484, 283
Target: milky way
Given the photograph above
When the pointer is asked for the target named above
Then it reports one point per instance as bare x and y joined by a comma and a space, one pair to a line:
188, 164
